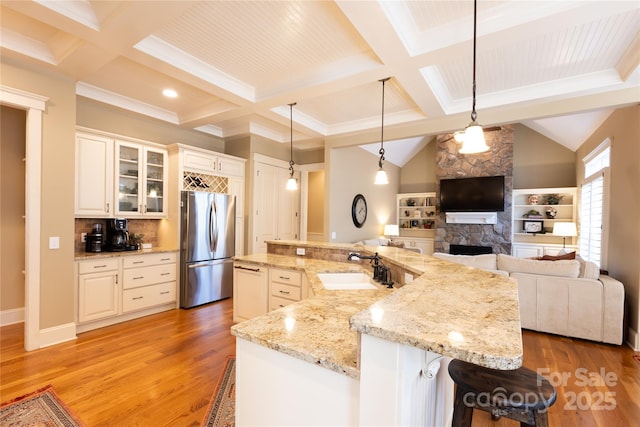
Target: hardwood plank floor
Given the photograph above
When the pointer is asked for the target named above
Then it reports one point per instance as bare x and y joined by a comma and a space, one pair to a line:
161, 370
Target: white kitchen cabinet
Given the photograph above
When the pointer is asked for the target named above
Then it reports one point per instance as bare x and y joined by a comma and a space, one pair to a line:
521, 250
98, 289
275, 209
94, 176
114, 289
212, 163
250, 291
285, 287
142, 174
148, 280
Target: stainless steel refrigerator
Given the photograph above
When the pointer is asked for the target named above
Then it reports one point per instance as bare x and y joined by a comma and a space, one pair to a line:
207, 243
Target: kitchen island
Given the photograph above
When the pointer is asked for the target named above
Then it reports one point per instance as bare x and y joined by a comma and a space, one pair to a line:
379, 356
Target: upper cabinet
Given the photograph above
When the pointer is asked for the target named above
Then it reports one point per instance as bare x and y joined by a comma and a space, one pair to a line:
117, 178
141, 176
94, 176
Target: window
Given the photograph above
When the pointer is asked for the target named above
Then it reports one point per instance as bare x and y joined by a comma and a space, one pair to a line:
594, 204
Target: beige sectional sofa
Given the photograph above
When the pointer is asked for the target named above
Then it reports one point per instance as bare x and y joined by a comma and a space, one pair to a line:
565, 297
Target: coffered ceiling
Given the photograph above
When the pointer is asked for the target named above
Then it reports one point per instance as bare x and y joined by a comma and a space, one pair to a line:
559, 67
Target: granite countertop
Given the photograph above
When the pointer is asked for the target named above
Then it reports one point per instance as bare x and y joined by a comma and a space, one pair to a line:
86, 256
449, 309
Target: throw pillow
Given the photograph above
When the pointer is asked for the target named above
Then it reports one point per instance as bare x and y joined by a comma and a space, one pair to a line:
396, 244
570, 255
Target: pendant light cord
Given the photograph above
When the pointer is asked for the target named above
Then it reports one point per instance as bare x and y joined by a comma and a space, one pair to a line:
474, 115
381, 152
291, 138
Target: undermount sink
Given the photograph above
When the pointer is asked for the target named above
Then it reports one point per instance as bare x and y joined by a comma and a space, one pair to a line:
345, 281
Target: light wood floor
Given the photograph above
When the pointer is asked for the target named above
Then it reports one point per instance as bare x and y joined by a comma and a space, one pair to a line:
161, 370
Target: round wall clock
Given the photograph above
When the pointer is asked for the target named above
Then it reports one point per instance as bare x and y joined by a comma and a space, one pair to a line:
359, 210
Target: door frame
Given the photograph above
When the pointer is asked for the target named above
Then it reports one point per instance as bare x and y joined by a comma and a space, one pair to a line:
34, 106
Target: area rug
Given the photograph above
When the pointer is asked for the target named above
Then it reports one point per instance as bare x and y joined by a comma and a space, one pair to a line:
42, 408
222, 408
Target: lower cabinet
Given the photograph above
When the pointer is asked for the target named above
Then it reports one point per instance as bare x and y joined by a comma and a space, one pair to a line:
148, 280
258, 289
98, 289
285, 287
250, 291
110, 290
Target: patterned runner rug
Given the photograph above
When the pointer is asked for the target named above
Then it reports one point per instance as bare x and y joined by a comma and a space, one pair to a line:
40, 408
222, 408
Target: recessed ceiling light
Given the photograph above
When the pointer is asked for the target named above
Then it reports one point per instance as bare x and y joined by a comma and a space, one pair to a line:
170, 93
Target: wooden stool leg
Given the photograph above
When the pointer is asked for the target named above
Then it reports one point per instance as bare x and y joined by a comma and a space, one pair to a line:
541, 418
462, 414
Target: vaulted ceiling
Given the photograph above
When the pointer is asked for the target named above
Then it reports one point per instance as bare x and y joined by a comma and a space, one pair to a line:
559, 67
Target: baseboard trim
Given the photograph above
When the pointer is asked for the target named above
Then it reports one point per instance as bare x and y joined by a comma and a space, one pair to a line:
84, 327
633, 339
11, 316
57, 334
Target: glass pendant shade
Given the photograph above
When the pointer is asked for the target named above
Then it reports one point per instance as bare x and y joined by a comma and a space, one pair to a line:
292, 184
381, 177
473, 140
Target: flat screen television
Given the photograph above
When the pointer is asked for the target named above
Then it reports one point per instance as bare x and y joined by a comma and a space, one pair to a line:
478, 194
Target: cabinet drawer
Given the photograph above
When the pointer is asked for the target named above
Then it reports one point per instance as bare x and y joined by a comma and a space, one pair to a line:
285, 276
285, 291
85, 267
148, 296
277, 302
150, 259
144, 276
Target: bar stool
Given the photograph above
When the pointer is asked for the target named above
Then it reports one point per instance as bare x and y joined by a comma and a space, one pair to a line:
520, 394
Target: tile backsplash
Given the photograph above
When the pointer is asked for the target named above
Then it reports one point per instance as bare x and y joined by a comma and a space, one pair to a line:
146, 227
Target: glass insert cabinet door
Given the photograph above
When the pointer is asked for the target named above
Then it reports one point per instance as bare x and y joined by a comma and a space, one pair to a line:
129, 178
141, 178
154, 181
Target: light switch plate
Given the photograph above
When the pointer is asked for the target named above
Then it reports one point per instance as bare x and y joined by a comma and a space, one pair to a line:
54, 242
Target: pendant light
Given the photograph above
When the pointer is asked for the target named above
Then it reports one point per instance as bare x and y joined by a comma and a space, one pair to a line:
292, 183
381, 175
472, 137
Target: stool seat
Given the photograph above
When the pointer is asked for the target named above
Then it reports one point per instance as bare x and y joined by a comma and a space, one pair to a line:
518, 394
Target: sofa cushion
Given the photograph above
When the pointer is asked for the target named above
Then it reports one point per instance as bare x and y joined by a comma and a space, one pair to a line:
485, 262
563, 268
588, 269
375, 242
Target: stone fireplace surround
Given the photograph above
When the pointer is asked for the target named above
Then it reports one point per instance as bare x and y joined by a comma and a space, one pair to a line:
497, 161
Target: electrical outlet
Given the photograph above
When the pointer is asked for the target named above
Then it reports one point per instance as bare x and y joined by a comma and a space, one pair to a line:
83, 237
408, 278
299, 251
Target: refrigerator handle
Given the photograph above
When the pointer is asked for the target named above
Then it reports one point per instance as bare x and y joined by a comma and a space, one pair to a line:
214, 220
211, 227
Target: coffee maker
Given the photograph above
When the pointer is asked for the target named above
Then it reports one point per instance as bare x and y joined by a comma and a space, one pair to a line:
117, 235
94, 239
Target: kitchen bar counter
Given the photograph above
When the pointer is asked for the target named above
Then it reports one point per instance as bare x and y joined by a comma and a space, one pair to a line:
84, 256
449, 309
